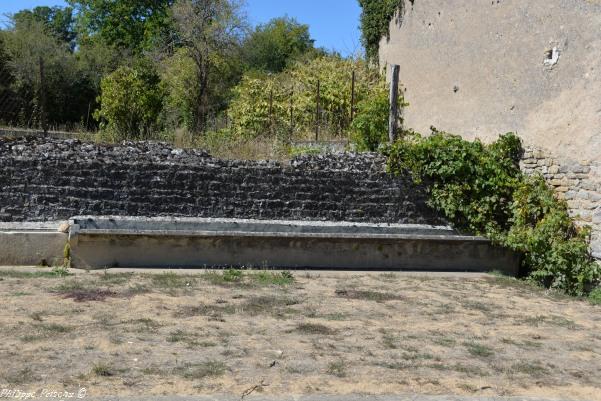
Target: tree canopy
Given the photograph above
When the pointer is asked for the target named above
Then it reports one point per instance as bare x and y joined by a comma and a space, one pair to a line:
271, 46
126, 24
58, 20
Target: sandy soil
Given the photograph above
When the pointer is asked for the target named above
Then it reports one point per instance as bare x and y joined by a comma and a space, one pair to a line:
145, 334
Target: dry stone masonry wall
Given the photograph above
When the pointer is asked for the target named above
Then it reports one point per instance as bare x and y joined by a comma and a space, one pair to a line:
48, 179
578, 182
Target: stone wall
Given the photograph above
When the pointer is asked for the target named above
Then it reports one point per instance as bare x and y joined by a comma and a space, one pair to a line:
578, 182
46, 179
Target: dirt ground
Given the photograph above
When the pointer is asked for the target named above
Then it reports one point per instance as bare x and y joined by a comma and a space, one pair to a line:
242, 333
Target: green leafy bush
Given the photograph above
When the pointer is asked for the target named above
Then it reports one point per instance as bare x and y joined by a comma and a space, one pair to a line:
181, 90
369, 129
293, 103
481, 189
250, 110
131, 103
555, 250
471, 183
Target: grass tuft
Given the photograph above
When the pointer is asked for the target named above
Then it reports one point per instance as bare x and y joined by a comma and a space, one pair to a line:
201, 370
337, 368
369, 295
479, 350
102, 370
595, 296
314, 328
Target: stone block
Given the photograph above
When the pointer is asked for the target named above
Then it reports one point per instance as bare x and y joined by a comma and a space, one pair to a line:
584, 215
556, 182
582, 195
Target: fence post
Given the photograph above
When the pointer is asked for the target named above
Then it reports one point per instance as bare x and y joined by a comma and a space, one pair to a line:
292, 112
353, 97
317, 114
42, 97
271, 111
394, 103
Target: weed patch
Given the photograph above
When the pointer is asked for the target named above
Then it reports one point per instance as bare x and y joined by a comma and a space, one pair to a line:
337, 368
171, 280
268, 304
115, 278
103, 370
44, 331
368, 295
270, 278
533, 369
202, 370
89, 295
552, 320
595, 296
205, 310
25, 375
25, 275
315, 329
145, 325
479, 350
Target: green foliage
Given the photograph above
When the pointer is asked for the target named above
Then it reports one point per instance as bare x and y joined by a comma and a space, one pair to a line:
480, 189
58, 20
27, 47
554, 249
181, 86
300, 150
375, 22
210, 31
127, 24
250, 109
271, 47
595, 296
273, 278
470, 182
131, 102
232, 275
295, 92
370, 127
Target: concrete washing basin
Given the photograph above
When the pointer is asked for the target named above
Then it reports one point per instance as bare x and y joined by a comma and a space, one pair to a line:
101, 242
32, 244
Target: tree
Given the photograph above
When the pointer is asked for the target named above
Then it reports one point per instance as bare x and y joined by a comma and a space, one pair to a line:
8, 106
131, 102
58, 20
43, 69
271, 47
125, 24
209, 31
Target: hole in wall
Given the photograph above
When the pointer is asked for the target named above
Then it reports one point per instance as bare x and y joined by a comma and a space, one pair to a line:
551, 57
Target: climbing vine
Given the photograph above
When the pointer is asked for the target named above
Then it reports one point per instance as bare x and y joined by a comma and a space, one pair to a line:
481, 190
375, 22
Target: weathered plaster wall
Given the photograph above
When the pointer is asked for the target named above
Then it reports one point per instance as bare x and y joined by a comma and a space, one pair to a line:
56, 179
477, 68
